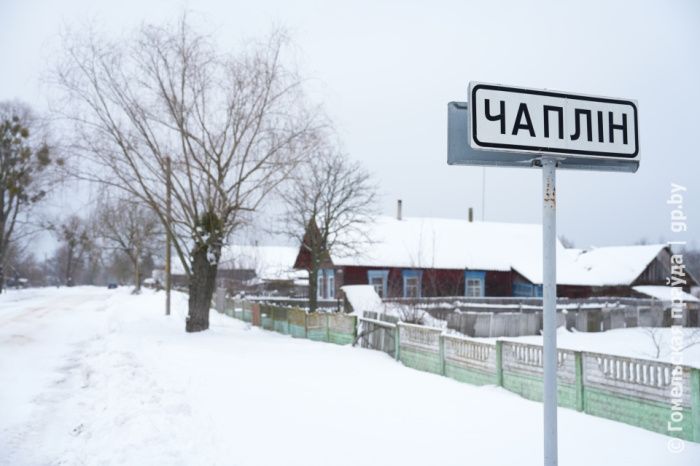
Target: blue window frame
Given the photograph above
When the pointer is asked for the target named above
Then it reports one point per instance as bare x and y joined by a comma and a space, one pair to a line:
378, 279
474, 283
412, 280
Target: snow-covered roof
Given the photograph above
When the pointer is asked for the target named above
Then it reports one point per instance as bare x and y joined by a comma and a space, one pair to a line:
618, 265
460, 244
363, 298
663, 293
268, 262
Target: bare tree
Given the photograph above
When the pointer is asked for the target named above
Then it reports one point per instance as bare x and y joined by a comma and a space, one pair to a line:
327, 210
25, 177
129, 228
76, 244
233, 125
659, 340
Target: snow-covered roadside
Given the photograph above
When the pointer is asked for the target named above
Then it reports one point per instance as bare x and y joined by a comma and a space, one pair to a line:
113, 381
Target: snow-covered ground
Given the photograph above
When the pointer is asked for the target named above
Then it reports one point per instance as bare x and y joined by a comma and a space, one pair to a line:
91, 376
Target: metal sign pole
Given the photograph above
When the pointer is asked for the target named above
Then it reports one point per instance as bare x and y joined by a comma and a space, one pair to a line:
549, 301
550, 129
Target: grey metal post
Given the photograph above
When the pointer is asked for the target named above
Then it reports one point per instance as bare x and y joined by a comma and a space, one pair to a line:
549, 295
168, 240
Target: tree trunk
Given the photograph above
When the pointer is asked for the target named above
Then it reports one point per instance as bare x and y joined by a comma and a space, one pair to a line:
313, 289
202, 283
69, 266
137, 279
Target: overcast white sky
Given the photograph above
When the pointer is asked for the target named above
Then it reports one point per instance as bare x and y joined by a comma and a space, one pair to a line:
389, 68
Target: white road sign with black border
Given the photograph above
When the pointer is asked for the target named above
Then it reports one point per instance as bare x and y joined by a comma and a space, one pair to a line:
551, 123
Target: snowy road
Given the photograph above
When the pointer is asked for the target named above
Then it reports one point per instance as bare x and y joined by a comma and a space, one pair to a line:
92, 376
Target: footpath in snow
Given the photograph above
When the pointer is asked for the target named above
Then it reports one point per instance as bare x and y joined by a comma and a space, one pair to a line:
94, 376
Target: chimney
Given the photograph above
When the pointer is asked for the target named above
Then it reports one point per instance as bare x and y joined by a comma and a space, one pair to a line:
471, 215
398, 211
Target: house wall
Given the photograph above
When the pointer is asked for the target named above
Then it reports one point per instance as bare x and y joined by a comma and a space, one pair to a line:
434, 282
575, 291
499, 283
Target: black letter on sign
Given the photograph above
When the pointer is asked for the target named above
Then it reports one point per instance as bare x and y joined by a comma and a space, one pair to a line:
522, 110
501, 116
600, 126
577, 117
613, 127
560, 111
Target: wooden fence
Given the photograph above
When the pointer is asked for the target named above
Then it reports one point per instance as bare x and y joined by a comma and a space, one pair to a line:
377, 331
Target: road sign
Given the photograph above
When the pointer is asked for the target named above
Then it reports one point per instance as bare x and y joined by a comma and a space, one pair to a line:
519, 127
573, 125
460, 152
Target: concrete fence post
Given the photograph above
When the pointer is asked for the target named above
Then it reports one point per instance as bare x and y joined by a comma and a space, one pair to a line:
578, 360
499, 363
442, 354
397, 341
695, 402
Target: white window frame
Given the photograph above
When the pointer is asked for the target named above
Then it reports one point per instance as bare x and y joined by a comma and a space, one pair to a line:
474, 287
330, 285
412, 284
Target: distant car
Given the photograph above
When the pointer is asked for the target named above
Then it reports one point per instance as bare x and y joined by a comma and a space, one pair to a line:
111, 285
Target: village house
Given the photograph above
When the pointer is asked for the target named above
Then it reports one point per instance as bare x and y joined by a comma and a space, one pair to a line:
430, 257
629, 271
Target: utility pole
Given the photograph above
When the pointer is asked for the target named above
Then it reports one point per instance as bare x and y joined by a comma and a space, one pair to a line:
167, 236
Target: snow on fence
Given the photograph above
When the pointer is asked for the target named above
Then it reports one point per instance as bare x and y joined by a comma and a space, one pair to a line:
638, 392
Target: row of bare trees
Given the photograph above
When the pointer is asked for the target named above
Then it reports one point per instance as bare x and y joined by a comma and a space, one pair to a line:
202, 138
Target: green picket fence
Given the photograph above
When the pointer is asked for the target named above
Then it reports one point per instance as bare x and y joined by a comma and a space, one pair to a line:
333, 328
